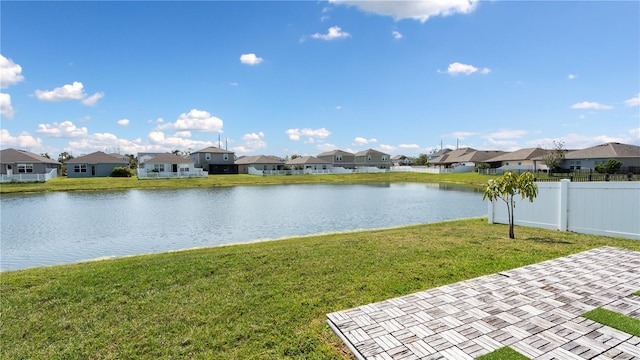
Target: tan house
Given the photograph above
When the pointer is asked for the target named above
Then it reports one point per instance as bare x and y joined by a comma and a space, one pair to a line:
339, 158
587, 159
309, 163
259, 162
518, 160
465, 157
373, 158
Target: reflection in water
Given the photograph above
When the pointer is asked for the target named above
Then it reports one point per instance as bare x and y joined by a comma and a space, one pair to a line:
55, 228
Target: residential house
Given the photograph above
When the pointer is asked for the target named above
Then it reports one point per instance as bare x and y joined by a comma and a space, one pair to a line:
401, 160
436, 154
373, 158
309, 163
587, 159
259, 162
464, 159
21, 165
97, 164
168, 165
144, 156
339, 158
215, 160
520, 160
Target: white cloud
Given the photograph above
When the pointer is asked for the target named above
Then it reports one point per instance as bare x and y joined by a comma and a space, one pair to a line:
93, 99
296, 134
504, 145
362, 141
334, 32
65, 129
250, 59
250, 143
183, 134
409, 146
389, 148
572, 76
396, 35
158, 141
73, 91
195, 120
6, 110
22, 141
457, 68
634, 101
326, 147
233, 83
635, 134
123, 122
461, 134
338, 107
10, 72
591, 105
507, 134
418, 10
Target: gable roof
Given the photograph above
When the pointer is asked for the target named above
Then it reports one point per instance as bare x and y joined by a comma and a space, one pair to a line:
335, 152
303, 160
608, 150
11, 156
451, 155
99, 157
400, 157
213, 149
370, 152
259, 159
522, 154
169, 158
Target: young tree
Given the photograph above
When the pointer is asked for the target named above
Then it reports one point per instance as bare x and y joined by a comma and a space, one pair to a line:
555, 157
421, 160
506, 187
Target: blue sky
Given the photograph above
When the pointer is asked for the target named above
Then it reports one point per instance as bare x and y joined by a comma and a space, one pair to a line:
303, 77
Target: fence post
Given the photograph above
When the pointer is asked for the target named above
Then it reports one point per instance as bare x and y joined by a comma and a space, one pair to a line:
564, 204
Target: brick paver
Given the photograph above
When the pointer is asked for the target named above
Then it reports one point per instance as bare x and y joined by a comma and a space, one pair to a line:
533, 309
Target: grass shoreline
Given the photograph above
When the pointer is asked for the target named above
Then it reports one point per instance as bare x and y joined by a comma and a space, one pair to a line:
261, 300
110, 184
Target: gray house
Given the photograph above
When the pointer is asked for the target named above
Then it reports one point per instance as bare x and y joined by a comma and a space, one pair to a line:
339, 158
20, 164
215, 160
373, 158
518, 160
587, 159
97, 164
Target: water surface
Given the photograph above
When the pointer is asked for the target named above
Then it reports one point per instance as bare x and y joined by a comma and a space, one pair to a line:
65, 227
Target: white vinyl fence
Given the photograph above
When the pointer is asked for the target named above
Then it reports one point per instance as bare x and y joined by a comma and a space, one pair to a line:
52, 174
597, 208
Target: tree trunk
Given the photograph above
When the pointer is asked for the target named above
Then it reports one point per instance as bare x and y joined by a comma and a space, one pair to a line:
511, 206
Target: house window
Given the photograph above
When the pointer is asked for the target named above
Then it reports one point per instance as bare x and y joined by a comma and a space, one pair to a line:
384, 158
80, 168
158, 167
225, 157
207, 156
25, 168
184, 168
338, 157
520, 163
369, 158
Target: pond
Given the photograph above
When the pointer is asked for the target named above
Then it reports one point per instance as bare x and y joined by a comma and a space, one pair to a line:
66, 227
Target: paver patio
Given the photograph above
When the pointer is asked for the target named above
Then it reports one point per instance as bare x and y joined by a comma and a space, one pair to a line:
536, 310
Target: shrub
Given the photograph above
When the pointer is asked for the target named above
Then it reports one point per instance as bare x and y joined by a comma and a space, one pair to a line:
610, 167
121, 172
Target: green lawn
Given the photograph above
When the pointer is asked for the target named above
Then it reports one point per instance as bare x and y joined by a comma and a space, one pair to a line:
258, 301
505, 353
66, 184
615, 320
